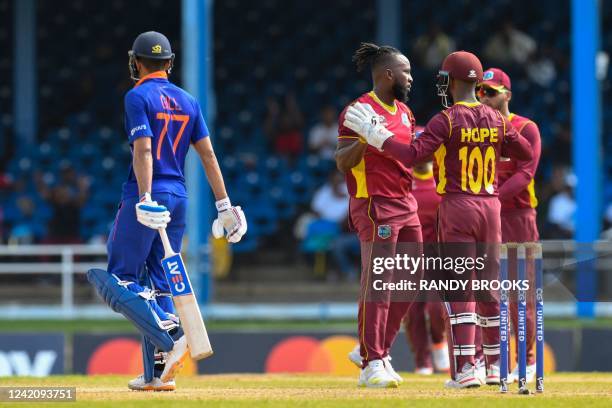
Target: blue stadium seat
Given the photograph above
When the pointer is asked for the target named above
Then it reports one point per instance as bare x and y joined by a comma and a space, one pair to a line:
301, 186
263, 216
319, 235
248, 243
284, 202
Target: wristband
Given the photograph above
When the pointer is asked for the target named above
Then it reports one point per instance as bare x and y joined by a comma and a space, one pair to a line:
223, 204
145, 197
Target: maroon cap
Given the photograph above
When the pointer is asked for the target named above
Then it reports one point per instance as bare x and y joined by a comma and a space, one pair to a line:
463, 65
496, 79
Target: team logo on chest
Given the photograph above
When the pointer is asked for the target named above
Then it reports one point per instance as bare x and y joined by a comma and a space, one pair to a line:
384, 231
405, 120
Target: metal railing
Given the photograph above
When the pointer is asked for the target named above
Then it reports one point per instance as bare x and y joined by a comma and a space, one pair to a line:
67, 266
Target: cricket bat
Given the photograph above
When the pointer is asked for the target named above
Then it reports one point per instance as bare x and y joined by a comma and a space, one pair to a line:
185, 301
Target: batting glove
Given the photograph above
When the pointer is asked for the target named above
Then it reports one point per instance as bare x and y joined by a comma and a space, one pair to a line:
151, 214
361, 118
230, 221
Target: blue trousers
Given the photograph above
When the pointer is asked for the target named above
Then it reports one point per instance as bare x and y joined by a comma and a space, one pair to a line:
133, 247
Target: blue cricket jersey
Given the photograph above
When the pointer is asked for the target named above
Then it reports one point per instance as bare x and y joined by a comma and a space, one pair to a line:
173, 120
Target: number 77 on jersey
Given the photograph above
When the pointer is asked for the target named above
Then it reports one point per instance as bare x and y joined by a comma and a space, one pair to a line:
185, 301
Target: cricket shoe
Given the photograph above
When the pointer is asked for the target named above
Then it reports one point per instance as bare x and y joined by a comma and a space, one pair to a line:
175, 359
139, 384
481, 371
493, 374
424, 371
355, 357
465, 379
375, 376
391, 371
440, 358
530, 371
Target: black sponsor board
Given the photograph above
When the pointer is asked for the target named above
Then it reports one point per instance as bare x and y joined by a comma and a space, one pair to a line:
596, 352
253, 351
31, 354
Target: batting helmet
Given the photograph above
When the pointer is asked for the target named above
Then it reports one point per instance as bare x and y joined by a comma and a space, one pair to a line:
150, 45
460, 65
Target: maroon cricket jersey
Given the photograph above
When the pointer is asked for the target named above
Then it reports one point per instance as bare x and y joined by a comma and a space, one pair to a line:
378, 174
516, 178
424, 192
468, 139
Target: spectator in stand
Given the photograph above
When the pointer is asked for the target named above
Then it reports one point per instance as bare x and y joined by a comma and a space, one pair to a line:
541, 68
432, 47
509, 46
283, 126
561, 210
28, 227
323, 136
330, 203
66, 199
23, 216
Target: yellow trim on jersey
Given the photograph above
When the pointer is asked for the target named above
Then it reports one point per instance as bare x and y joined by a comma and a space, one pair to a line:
440, 155
503, 121
364, 295
525, 124
511, 115
450, 124
423, 176
391, 109
359, 173
468, 104
533, 200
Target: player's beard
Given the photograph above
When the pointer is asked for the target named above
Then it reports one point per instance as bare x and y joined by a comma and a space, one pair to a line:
400, 92
499, 106
496, 106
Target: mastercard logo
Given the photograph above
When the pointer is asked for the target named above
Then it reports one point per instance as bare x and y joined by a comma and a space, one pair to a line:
123, 355
304, 354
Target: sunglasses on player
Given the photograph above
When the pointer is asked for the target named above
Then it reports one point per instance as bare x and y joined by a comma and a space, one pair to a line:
487, 91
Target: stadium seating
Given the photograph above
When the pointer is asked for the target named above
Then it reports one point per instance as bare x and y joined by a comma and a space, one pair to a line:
261, 49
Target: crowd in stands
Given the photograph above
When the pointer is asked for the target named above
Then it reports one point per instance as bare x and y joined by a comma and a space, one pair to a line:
282, 72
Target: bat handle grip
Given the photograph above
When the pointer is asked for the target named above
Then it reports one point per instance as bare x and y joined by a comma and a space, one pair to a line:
165, 241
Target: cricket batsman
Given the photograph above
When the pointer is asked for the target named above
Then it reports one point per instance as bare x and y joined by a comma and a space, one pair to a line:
382, 209
161, 122
517, 195
468, 139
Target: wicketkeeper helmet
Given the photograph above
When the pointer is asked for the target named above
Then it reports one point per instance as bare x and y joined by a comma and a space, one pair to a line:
461, 65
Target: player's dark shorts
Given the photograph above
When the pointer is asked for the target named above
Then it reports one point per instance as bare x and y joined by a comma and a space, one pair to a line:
384, 219
465, 218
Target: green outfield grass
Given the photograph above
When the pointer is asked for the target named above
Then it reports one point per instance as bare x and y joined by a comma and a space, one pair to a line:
265, 390
122, 325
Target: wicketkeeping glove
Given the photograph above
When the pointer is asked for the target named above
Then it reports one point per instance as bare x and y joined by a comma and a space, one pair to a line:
363, 120
230, 221
151, 214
